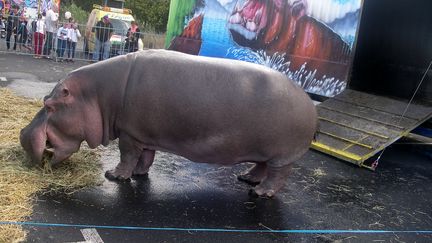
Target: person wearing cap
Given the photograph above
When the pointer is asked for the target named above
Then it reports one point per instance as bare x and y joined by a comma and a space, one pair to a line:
104, 30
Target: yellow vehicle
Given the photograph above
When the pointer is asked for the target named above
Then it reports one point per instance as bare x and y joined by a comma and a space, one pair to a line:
121, 21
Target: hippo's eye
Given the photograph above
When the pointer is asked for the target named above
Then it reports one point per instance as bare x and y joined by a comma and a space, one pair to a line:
49, 108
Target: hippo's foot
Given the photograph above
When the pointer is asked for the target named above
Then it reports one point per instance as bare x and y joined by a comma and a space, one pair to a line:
113, 175
255, 175
140, 177
261, 192
140, 171
144, 163
272, 183
140, 174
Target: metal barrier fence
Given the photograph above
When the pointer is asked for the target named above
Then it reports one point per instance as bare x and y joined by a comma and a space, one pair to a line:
26, 42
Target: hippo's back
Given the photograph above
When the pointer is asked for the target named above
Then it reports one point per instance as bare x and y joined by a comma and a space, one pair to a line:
215, 109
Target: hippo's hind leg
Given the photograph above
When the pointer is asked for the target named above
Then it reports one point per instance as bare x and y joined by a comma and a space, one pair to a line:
274, 180
130, 152
144, 163
254, 175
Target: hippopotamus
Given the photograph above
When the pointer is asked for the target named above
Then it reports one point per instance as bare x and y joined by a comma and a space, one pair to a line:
283, 26
205, 109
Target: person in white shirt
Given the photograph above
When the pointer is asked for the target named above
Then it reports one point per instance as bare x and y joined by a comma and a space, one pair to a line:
51, 19
73, 35
62, 34
38, 28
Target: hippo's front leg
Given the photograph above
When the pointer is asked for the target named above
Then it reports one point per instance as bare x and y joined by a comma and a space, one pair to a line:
130, 152
144, 163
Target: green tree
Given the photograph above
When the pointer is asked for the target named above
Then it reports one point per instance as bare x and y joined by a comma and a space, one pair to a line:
86, 5
80, 15
152, 15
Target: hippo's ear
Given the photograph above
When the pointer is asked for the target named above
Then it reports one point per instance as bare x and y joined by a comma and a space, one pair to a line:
65, 92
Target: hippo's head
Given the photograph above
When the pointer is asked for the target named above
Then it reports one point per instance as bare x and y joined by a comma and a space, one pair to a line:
255, 23
66, 120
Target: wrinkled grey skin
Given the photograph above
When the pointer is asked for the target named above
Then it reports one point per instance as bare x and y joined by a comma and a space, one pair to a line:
205, 109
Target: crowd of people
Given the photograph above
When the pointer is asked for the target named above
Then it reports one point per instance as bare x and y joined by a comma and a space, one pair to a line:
39, 35
45, 34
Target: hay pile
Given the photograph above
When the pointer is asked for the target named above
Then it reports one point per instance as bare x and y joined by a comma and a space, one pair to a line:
19, 183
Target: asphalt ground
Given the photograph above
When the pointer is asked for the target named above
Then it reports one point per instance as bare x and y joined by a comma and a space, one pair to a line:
325, 199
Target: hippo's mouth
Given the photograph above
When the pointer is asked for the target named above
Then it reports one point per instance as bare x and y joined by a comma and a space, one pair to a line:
56, 150
248, 20
48, 153
48, 147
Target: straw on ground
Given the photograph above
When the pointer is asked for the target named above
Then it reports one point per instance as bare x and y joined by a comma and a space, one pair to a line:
19, 182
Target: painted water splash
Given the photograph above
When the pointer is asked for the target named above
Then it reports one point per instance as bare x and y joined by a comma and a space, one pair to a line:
275, 61
325, 86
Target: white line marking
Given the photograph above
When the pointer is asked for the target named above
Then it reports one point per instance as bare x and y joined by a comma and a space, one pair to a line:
3, 79
91, 235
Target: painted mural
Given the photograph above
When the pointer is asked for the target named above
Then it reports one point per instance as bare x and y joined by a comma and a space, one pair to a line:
44, 4
47, 4
26, 3
311, 41
30, 8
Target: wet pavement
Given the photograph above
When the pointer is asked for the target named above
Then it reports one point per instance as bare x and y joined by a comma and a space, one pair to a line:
182, 201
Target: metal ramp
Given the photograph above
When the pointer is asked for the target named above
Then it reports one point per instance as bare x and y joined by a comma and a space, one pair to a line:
354, 126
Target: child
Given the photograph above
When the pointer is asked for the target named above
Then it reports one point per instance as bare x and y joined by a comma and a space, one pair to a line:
133, 36
73, 36
62, 33
38, 35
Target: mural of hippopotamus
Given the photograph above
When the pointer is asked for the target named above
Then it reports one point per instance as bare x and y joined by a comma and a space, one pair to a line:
205, 109
282, 26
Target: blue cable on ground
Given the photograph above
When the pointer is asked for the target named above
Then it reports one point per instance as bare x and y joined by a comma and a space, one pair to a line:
111, 227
